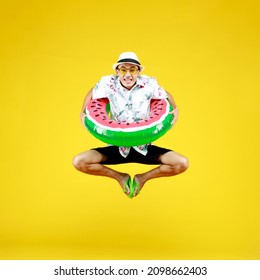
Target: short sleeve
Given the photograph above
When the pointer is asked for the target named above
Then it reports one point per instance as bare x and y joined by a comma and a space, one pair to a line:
100, 90
157, 90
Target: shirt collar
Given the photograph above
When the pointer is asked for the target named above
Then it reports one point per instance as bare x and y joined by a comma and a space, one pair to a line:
140, 81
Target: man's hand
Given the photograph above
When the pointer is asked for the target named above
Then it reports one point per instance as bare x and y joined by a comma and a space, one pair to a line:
82, 118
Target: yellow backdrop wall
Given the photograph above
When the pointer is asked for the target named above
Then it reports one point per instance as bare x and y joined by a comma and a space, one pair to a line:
206, 54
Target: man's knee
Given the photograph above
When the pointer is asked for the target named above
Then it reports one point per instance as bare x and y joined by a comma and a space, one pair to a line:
183, 164
79, 162
180, 165
177, 162
86, 159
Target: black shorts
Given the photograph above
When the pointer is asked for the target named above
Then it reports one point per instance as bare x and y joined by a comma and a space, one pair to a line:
114, 157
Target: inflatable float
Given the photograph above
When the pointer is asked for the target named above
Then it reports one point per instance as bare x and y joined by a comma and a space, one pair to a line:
100, 125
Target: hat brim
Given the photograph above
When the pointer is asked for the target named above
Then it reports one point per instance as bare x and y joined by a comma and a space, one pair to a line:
118, 63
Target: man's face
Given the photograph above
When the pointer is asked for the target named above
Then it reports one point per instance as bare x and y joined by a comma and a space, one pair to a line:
128, 74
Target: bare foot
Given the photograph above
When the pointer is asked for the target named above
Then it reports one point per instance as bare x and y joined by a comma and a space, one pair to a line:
125, 182
139, 184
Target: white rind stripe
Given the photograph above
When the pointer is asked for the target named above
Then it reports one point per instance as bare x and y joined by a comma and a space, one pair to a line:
130, 129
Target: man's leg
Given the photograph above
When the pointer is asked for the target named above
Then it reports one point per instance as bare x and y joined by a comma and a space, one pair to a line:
89, 162
172, 164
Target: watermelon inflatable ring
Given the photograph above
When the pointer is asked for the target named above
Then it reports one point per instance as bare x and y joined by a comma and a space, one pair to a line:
100, 125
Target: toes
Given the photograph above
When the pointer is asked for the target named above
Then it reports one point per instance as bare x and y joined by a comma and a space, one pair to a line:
126, 185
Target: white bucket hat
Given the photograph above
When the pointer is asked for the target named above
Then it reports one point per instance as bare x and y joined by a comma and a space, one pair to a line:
128, 57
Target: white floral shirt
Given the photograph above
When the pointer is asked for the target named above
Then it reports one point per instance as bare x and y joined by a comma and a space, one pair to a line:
129, 105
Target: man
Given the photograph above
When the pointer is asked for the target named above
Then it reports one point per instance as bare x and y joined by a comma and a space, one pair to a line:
129, 94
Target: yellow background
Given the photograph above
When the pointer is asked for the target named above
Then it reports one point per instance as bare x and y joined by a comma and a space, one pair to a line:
206, 53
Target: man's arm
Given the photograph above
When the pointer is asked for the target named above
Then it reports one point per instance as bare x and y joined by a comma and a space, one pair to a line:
85, 103
175, 110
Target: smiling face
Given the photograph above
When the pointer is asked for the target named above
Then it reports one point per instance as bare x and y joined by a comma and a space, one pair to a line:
128, 74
